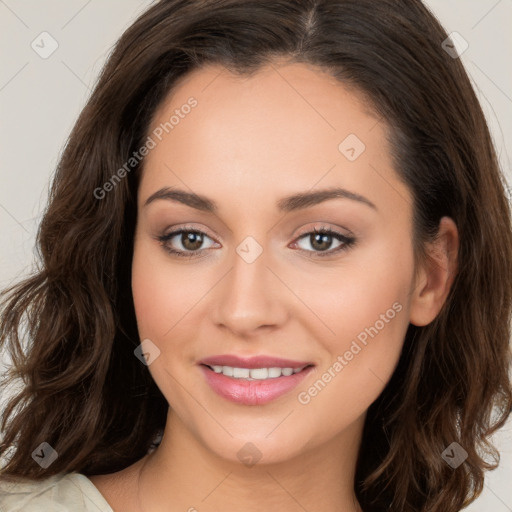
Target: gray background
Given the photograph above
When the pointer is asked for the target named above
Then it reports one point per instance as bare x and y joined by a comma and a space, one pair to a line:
41, 98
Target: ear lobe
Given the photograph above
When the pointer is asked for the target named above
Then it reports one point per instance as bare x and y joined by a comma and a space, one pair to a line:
437, 274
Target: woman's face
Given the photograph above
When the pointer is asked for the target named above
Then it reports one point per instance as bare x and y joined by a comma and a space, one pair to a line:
256, 281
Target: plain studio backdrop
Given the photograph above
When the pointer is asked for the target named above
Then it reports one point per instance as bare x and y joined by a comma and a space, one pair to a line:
42, 95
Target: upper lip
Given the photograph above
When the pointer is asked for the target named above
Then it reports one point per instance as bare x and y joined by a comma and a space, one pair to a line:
253, 362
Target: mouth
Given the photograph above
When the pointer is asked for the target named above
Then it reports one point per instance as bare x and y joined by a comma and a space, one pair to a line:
254, 381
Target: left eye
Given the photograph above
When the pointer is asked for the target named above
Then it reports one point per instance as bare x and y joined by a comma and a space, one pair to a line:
322, 240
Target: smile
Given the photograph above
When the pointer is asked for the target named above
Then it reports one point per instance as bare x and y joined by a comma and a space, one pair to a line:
251, 381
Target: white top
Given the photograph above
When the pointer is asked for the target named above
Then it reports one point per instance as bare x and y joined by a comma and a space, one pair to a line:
71, 492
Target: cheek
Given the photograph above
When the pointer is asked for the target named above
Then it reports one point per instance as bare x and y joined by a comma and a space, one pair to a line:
367, 310
342, 390
352, 296
154, 295
167, 302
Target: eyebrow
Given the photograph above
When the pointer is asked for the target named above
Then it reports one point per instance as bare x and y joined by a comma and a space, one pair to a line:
290, 203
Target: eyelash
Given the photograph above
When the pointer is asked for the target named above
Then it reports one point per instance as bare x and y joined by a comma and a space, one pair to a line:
347, 242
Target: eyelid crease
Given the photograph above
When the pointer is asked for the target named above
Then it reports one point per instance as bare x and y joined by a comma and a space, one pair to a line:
326, 228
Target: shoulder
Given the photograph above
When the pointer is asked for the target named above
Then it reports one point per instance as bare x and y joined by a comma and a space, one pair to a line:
71, 492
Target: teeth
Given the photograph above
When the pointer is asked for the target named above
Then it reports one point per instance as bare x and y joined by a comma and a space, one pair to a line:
239, 373
259, 373
255, 373
274, 372
227, 370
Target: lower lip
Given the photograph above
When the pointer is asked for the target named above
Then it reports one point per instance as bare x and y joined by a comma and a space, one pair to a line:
252, 392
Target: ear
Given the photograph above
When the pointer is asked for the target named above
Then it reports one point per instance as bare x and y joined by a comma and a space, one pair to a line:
436, 276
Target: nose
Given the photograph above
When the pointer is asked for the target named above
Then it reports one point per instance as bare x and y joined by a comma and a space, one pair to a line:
251, 299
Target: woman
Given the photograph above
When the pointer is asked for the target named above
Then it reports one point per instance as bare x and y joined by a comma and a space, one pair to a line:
279, 239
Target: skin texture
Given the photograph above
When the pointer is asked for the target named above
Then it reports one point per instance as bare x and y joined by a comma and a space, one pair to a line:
247, 144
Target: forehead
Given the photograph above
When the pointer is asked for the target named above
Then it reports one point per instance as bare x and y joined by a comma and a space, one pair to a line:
287, 127
273, 99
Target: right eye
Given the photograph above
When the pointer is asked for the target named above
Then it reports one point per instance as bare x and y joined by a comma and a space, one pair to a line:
190, 241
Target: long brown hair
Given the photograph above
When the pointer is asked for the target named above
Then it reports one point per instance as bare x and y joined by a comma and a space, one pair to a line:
91, 399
